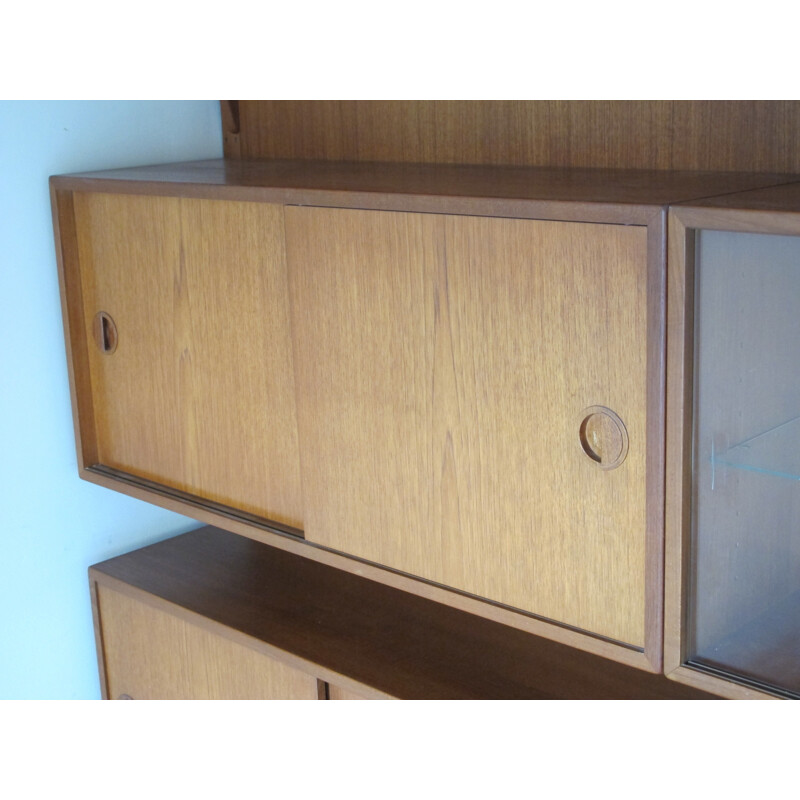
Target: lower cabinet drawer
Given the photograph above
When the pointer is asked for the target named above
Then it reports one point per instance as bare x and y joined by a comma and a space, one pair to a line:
149, 654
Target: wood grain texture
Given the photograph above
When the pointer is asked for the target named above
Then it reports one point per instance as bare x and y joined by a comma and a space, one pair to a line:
680, 358
231, 128
364, 636
655, 449
442, 366
199, 394
290, 543
98, 641
337, 693
590, 195
445, 188
645, 134
152, 655
72, 315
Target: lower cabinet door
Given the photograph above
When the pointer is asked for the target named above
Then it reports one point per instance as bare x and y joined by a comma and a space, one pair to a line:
149, 654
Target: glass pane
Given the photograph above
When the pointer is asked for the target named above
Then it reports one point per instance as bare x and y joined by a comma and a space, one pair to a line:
745, 592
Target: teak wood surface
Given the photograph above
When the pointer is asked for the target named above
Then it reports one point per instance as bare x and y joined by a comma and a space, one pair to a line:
739, 135
435, 406
199, 393
150, 654
337, 693
629, 198
443, 188
358, 635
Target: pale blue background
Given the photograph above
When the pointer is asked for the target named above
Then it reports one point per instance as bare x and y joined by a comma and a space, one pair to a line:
53, 525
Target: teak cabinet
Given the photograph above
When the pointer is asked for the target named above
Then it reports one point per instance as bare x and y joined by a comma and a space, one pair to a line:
151, 654
451, 380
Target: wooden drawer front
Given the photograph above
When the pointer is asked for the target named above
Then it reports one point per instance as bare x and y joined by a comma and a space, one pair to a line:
198, 394
442, 367
152, 655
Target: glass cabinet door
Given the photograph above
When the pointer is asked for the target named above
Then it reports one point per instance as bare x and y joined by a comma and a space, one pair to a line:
744, 580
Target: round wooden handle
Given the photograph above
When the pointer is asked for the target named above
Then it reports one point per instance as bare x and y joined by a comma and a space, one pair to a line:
603, 436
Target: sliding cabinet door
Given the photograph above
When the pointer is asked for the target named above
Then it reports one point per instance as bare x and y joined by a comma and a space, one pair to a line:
472, 404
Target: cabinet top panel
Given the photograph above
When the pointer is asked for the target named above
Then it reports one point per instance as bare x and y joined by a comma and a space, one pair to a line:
780, 198
448, 188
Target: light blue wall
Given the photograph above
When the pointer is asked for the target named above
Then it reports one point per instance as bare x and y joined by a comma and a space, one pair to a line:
53, 525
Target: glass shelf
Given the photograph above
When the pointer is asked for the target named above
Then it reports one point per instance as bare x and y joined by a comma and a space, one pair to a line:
766, 650
774, 452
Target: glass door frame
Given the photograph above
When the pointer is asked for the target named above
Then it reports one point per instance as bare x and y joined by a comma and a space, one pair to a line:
683, 225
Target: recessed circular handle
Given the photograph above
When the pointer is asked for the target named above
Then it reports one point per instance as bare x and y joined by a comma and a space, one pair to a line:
104, 332
603, 436
124, 697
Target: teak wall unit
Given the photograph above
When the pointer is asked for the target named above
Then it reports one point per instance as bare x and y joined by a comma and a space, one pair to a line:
447, 379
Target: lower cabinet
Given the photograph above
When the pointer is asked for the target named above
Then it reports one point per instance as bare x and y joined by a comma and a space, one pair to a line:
151, 654
213, 615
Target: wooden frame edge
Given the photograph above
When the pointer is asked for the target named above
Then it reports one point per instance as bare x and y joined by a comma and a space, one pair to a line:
719, 686
446, 596
737, 220
654, 470
76, 344
613, 213
680, 304
98, 635
231, 128
683, 222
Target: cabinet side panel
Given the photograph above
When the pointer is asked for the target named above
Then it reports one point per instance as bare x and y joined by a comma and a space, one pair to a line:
69, 274
98, 639
198, 394
151, 655
442, 367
